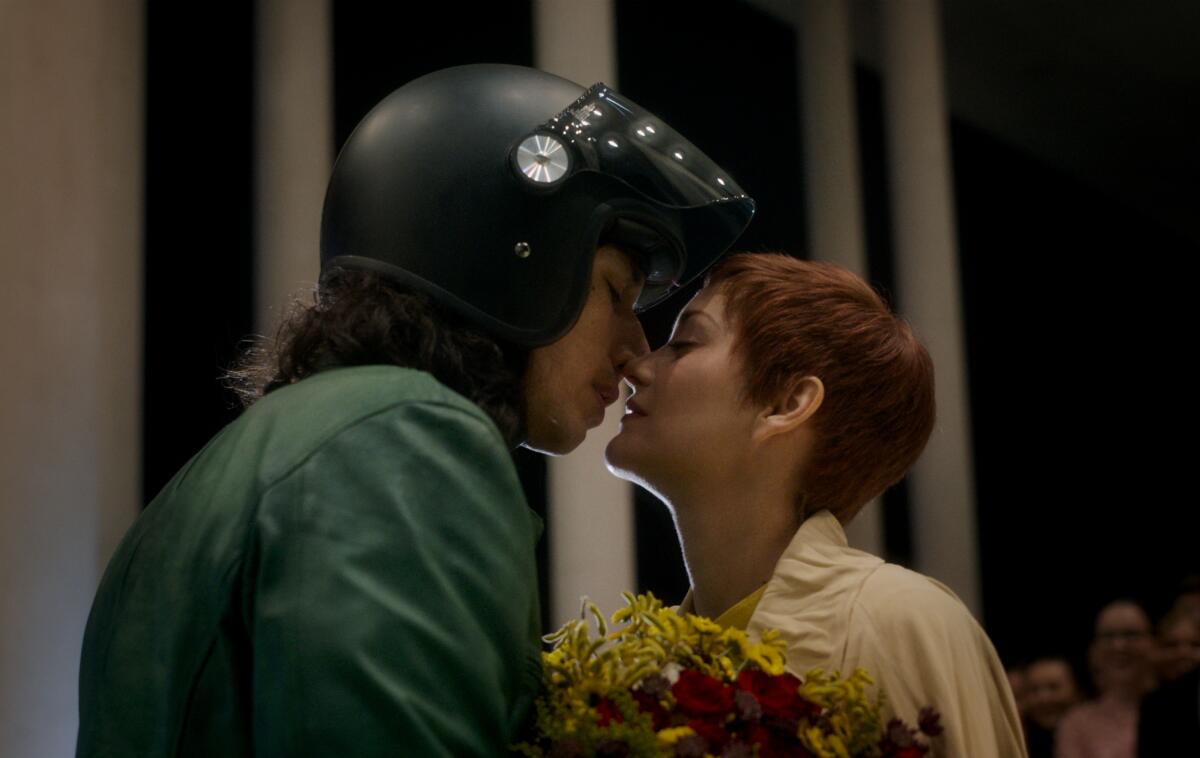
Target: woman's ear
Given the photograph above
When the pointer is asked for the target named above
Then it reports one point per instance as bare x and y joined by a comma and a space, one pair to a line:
793, 408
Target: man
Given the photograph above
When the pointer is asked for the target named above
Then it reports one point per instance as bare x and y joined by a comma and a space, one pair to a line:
348, 568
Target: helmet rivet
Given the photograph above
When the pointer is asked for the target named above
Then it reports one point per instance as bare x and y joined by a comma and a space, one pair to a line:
522, 250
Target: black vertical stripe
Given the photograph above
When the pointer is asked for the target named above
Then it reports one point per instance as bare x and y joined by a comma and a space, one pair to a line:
877, 229
1076, 318
199, 183
380, 46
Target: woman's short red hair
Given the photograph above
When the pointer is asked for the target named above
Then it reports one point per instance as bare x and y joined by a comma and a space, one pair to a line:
799, 318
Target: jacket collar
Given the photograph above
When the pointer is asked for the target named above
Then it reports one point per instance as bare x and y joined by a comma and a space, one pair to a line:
809, 597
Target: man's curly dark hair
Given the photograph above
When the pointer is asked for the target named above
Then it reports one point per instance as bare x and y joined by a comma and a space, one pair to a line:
359, 318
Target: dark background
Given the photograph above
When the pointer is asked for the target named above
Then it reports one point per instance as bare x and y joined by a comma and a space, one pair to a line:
1077, 299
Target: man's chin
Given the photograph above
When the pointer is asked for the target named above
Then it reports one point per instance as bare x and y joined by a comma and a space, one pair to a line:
561, 442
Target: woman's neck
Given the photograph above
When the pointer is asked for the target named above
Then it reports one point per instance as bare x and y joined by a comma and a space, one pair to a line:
732, 537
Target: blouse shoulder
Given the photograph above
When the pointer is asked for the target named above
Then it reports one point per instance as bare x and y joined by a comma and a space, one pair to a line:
925, 648
892, 593
907, 620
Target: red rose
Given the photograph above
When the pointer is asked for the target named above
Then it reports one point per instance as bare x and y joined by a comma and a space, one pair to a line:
757, 734
714, 735
912, 751
698, 694
779, 696
772, 743
608, 712
647, 703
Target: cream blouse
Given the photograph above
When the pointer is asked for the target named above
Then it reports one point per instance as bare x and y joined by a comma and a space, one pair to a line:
840, 608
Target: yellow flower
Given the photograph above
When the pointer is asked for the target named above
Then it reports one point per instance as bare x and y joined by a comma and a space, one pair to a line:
704, 625
727, 667
767, 658
674, 734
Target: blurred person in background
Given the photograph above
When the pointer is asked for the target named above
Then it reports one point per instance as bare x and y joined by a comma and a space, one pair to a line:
1169, 719
1051, 690
1016, 682
1120, 658
1187, 596
1178, 648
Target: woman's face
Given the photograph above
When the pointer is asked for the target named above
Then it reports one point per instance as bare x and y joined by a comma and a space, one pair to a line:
686, 422
1122, 648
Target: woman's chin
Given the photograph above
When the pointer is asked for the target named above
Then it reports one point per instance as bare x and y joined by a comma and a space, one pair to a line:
626, 462
622, 459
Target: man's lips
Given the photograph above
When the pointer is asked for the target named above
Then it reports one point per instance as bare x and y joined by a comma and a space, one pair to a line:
608, 395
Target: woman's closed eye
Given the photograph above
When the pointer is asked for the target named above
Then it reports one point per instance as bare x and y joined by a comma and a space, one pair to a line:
680, 346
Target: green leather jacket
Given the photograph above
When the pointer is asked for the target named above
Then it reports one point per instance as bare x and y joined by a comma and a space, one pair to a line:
346, 570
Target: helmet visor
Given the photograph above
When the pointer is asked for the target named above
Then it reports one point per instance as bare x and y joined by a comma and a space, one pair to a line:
607, 132
692, 208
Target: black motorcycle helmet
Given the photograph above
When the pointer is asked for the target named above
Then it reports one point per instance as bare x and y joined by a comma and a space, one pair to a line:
488, 187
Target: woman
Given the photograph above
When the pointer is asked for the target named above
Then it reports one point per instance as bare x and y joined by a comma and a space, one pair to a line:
787, 398
1121, 662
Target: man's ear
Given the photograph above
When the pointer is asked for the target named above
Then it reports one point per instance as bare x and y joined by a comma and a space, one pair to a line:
793, 409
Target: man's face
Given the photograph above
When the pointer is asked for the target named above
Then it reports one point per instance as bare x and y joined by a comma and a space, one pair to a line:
569, 383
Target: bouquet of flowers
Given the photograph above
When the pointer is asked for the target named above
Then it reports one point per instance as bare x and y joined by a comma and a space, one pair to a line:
666, 684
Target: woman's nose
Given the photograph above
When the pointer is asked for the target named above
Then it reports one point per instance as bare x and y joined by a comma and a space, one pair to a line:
631, 345
637, 372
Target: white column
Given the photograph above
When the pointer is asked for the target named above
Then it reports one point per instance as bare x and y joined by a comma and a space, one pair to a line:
929, 288
591, 527
833, 191
576, 39
294, 149
71, 92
